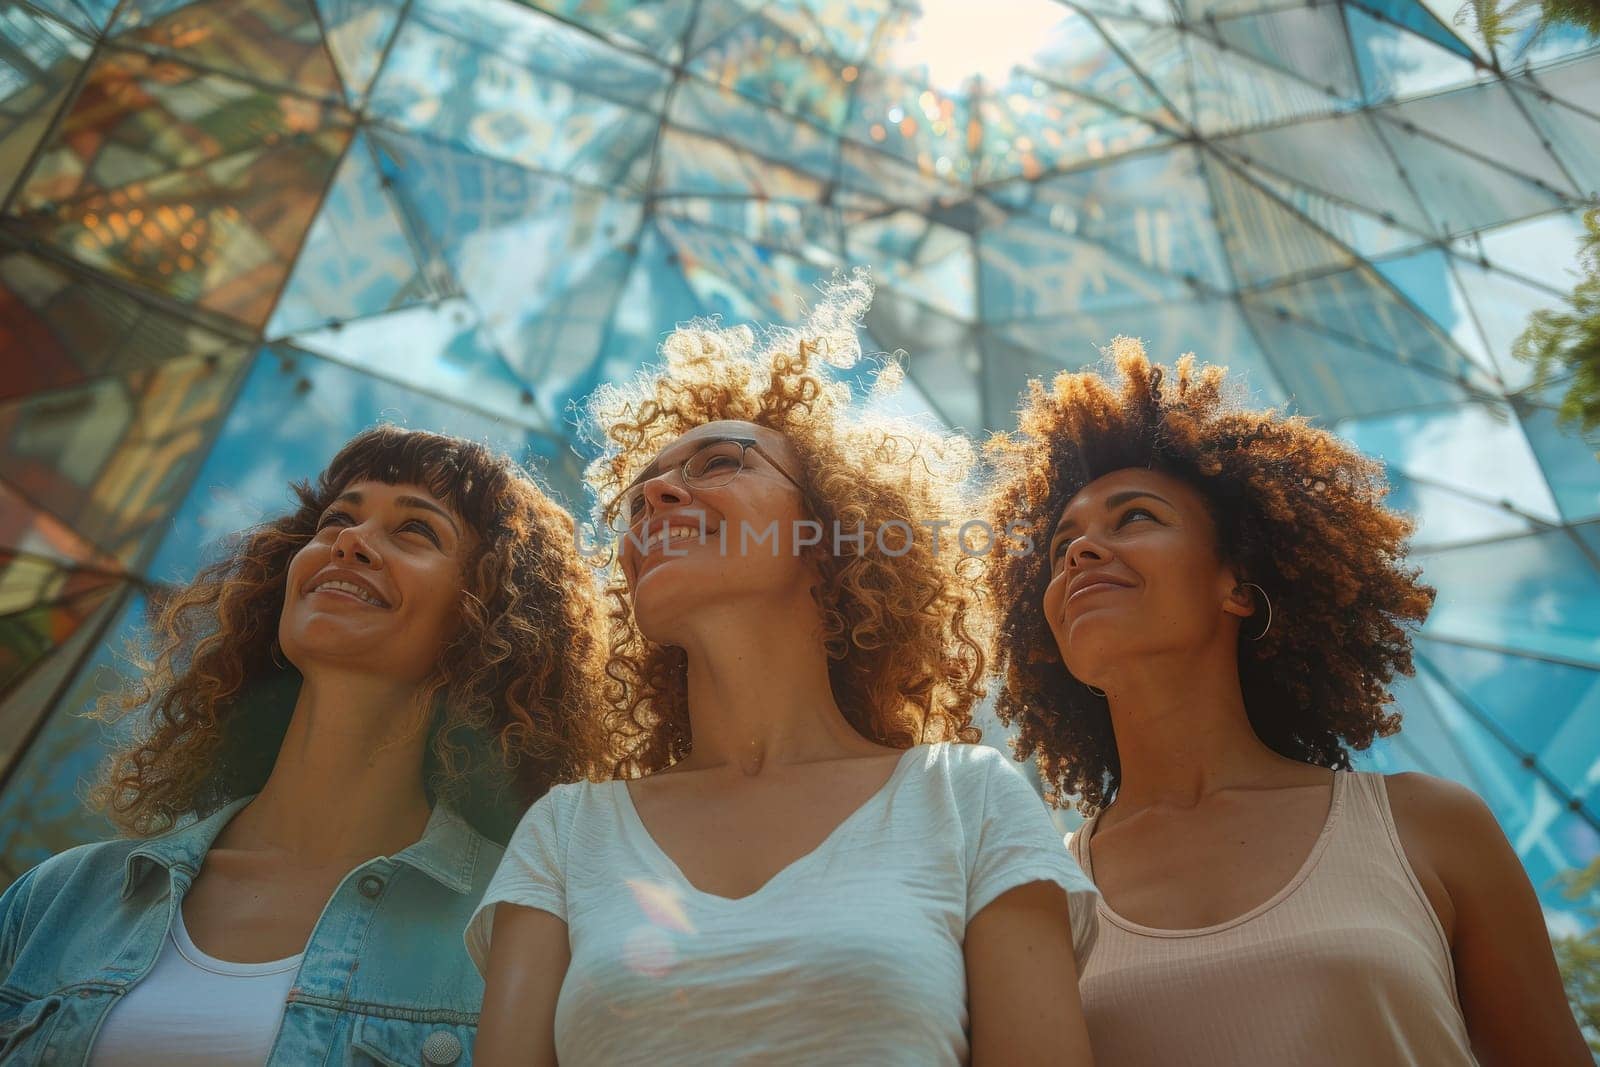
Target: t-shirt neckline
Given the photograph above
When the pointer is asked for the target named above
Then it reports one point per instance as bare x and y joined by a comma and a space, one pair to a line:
198, 957
635, 826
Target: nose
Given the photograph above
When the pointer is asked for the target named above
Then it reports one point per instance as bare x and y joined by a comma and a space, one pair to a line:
1085, 550
662, 492
351, 544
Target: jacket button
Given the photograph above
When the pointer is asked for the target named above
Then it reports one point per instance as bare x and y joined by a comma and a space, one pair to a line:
370, 885
441, 1048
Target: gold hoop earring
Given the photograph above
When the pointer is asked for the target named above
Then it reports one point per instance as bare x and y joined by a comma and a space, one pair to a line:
277, 656
1268, 599
1092, 689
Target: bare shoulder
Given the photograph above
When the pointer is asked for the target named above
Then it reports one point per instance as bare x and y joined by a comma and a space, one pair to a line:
1440, 808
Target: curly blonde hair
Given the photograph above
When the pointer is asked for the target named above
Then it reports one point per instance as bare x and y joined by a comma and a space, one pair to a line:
515, 696
1297, 511
904, 666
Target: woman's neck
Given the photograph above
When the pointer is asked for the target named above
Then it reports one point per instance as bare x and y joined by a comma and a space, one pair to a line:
347, 782
759, 692
1182, 731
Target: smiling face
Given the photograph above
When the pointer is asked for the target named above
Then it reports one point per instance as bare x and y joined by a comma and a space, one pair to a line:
1135, 570
378, 588
670, 577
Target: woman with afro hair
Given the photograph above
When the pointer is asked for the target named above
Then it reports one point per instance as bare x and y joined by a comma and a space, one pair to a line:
805, 860
338, 713
1202, 629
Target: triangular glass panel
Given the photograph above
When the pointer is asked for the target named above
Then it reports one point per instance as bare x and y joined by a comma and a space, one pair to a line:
1212, 329
1159, 54
1476, 450
1570, 461
1397, 63
739, 281
439, 350
1370, 232
655, 27
294, 412
1487, 121
1572, 136
1266, 239
1575, 83
111, 458
138, 119
274, 41
762, 60
516, 85
1342, 157
1075, 56
86, 16
1542, 250
1416, 17
31, 633
1503, 306
357, 258
942, 359
1464, 193
1358, 305
42, 811
1329, 377
1539, 595
1445, 517
221, 236
1233, 91
1154, 207
33, 692
39, 58
1030, 269
515, 242
1532, 701
764, 132
357, 35
1033, 129
1307, 40
1425, 279
922, 260
26, 529
74, 327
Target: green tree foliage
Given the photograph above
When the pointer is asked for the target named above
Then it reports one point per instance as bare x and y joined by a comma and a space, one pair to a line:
1497, 19
1568, 341
1579, 958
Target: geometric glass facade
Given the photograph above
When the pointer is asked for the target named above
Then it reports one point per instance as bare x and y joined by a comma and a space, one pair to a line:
235, 232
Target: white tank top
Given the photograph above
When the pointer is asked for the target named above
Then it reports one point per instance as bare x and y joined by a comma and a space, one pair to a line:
193, 1010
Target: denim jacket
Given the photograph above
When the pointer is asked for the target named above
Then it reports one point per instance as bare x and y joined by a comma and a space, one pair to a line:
385, 978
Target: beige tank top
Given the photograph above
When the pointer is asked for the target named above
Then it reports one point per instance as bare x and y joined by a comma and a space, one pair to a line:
1347, 964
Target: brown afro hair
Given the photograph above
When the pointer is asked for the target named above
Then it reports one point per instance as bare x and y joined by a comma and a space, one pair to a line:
1297, 511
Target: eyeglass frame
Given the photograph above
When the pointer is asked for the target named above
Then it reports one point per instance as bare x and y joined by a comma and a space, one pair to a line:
745, 444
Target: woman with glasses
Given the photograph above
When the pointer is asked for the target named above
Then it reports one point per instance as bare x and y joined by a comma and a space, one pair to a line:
804, 859
344, 712
1207, 627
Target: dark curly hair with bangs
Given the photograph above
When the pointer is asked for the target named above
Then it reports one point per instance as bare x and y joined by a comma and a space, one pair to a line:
515, 697
1297, 511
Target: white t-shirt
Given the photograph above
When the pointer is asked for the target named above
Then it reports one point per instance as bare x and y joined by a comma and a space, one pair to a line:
851, 954
193, 1010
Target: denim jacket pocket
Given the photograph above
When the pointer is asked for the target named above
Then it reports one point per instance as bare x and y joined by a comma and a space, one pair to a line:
25, 1024
404, 1043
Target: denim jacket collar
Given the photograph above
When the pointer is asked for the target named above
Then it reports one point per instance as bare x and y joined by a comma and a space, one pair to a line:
446, 852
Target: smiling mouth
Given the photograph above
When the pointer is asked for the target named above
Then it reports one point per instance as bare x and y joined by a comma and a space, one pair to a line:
351, 590
675, 534
1094, 587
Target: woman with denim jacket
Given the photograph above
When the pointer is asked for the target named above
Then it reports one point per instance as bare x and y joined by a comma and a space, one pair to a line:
413, 645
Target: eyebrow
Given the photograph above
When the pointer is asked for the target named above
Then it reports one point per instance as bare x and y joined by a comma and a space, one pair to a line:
1117, 500
407, 502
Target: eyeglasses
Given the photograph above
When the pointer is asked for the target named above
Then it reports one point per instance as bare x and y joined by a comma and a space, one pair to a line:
714, 464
